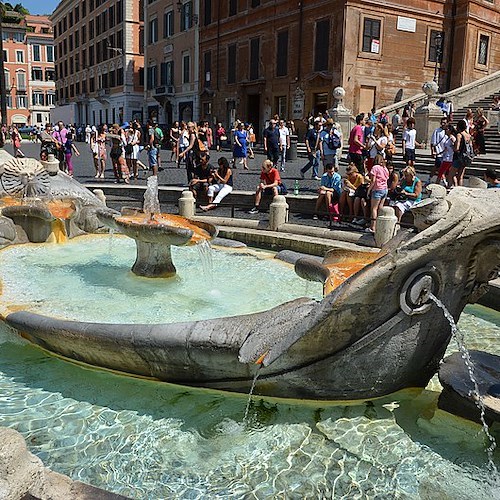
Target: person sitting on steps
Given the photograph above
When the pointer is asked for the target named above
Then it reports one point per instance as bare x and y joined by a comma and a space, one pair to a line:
329, 191
270, 183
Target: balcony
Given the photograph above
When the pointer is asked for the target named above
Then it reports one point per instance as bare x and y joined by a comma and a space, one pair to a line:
102, 95
164, 90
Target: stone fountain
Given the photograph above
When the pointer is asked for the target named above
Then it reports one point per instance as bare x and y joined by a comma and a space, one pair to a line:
155, 233
375, 331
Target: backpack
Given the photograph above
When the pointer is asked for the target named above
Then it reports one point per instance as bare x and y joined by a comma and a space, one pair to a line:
158, 140
467, 152
333, 141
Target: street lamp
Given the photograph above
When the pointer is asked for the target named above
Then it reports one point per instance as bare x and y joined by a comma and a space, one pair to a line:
438, 41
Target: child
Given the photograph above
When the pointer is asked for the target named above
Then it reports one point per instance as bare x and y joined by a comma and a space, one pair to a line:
69, 149
410, 142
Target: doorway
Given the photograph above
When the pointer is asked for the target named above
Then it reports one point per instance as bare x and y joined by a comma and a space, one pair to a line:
366, 99
320, 103
253, 113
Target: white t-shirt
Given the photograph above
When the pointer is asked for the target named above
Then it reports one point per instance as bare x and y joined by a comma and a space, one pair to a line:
410, 136
284, 133
448, 146
438, 139
382, 143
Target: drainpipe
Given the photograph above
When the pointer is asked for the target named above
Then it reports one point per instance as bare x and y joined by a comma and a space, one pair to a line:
301, 26
451, 44
3, 93
218, 43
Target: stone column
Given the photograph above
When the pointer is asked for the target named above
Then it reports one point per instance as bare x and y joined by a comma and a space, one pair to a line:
343, 119
187, 204
428, 116
386, 226
278, 212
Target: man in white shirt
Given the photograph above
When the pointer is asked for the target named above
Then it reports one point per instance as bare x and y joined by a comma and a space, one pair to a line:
284, 143
438, 141
410, 142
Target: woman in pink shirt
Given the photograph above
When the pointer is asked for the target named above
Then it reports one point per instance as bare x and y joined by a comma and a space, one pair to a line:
377, 190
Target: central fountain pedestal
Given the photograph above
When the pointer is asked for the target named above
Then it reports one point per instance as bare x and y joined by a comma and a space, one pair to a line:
154, 234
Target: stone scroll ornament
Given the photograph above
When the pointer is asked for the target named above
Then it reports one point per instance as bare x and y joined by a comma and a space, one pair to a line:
25, 178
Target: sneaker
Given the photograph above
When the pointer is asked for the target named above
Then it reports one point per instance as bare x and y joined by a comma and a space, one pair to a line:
282, 169
315, 217
254, 211
369, 230
302, 175
316, 178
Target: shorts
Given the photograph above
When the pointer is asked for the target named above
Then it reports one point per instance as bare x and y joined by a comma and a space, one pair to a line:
378, 194
409, 155
153, 157
444, 169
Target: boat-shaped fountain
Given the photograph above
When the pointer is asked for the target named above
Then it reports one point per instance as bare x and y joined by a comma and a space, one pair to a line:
374, 332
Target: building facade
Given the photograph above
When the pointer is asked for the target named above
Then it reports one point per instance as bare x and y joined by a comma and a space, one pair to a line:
100, 62
172, 60
28, 57
261, 57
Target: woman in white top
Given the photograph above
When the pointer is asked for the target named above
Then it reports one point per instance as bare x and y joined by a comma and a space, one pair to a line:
132, 139
376, 145
183, 142
447, 160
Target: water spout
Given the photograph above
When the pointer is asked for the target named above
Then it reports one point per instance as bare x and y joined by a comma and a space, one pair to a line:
478, 398
254, 381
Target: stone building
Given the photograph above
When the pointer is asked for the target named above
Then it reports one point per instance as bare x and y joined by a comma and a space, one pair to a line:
259, 57
100, 63
172, 60
28, 57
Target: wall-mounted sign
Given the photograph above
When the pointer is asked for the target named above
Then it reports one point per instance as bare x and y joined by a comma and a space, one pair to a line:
375, 48
407, 24
298, 104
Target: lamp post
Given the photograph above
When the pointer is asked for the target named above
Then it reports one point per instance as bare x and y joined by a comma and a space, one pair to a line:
438, 40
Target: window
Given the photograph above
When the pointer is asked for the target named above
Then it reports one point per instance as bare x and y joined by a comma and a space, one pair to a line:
231, 64
168, 24
482, 55
91, 56
37, 99
50, 75
37, 74
207, 63
255, 3
7, 81
50, 53
254, 58
21, 81
84, 34
321, 47
233, 7
119, 77
84, 8
51, 101
280, 105
36, 53
187, 16
371, 36
92, 85
18, 37
39, 117
70, 19
111, 16
5, 55
186, 69
153, 30
77, 14
91, 30
152, 77
77, 39
70, 42
436, 44
22, 101
167, 73
207, 12
20, 56
282, 54
119, 11
84, 58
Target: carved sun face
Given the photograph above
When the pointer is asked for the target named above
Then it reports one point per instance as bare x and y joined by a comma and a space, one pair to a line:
25, 176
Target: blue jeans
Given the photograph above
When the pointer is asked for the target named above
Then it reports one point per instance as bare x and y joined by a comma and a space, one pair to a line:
313, 162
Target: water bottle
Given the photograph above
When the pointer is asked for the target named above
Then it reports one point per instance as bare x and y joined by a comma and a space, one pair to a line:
296, 187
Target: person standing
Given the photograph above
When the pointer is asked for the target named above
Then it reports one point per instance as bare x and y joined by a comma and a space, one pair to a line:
16, 142
152, 148
410, 142
284, 143
132, 140
313, 152
190, 151
271, 138
240, 150
396, 122
357, 145
377, 191
174, 141
220, 137
480, 123
60, 133
438, 141
329, 143
69, 149
88, 131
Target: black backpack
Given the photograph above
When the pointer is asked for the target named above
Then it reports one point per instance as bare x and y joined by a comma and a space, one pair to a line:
333, 141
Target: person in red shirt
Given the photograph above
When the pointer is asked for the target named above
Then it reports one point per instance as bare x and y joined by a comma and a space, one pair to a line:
356, 144
270, 183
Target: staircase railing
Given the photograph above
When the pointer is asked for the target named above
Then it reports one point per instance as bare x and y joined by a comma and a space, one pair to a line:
460, 97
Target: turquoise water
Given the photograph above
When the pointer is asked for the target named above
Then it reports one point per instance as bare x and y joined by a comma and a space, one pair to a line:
89, 279
153, 440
